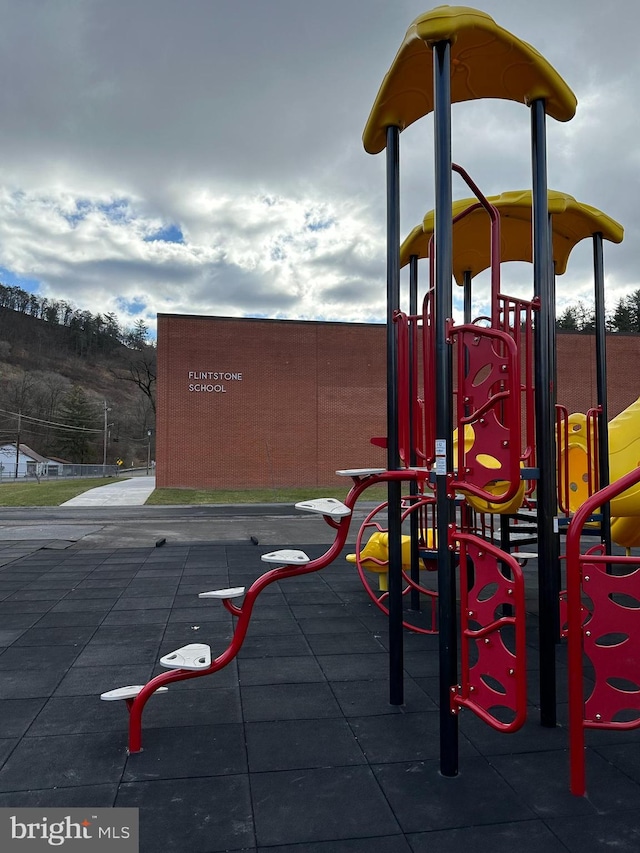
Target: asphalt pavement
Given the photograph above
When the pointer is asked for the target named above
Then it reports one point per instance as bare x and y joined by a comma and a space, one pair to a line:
296, 745
115, 516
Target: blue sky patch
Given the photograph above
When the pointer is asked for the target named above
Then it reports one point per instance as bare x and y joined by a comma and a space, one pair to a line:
314, 222
168, 234
31, 285
131, 306
116, 210
83, 207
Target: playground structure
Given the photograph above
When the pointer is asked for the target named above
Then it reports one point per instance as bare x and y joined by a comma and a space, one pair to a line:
577, 464
473, 437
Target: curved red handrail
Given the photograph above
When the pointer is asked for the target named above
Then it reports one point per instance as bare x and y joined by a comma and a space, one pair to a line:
243, 613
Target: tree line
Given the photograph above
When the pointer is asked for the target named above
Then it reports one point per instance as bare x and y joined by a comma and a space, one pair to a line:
90, 333
582, 318
51, 401
60, 418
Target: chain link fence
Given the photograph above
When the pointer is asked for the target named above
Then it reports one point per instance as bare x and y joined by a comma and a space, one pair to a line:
36, 471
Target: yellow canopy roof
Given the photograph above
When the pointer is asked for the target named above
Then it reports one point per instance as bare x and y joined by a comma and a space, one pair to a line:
487, 61
571, 222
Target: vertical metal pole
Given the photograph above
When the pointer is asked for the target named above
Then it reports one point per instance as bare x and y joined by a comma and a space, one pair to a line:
601, 386
148, 451
18, 444
396, 656
553, 399
466, 284
104, 443
553, 355
505, 545
548, 593
448, 645
414, 527
467, 318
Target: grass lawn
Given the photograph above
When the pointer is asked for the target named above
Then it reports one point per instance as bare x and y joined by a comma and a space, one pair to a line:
56, 492
47, 492
174, 497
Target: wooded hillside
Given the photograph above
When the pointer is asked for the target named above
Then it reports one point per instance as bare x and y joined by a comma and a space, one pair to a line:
55, 375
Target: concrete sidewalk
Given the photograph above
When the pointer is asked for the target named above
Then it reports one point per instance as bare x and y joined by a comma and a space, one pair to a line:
126, 525
133, 492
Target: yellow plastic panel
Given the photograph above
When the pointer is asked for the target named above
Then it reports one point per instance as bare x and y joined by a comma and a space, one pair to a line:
417, 243
626, 531
374, 557
499, 488
578, 476
571, 220
487, 61
624, 456
574, 455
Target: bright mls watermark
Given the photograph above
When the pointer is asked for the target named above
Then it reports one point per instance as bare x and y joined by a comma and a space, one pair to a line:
80, 830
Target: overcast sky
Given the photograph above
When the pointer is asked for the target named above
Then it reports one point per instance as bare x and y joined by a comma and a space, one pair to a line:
205, 156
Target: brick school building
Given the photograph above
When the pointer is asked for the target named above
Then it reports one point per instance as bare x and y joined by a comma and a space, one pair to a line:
246, 403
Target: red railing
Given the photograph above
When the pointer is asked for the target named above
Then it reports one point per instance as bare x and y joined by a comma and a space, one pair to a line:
562, 454
516, 318
610, 638
428, 342
494, 217
376, 559
404, 390
410, 406
243, 612
488, 403
428, 377
562, 457
495, 685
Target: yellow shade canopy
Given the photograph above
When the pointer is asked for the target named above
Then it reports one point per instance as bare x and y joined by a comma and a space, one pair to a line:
487, 61
571, 222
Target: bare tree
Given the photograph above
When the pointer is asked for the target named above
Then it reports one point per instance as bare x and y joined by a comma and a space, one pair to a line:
49, 392
140, 367
18, 394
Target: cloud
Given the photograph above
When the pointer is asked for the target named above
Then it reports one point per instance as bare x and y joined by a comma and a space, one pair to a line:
206, 157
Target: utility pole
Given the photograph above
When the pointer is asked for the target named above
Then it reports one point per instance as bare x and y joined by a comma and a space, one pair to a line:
18, 444
104, 446
149, 432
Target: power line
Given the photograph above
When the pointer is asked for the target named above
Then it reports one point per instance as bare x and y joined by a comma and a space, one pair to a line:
49, 423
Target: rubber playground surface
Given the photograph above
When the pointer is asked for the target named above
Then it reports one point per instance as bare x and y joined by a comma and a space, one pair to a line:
292, 747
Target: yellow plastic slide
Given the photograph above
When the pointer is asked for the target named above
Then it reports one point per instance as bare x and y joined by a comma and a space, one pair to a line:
624, 456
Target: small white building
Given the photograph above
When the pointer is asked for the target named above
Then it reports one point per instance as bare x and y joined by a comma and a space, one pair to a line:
29, 463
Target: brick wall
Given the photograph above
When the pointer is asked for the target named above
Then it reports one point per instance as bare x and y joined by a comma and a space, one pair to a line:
577, 371
310, 398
